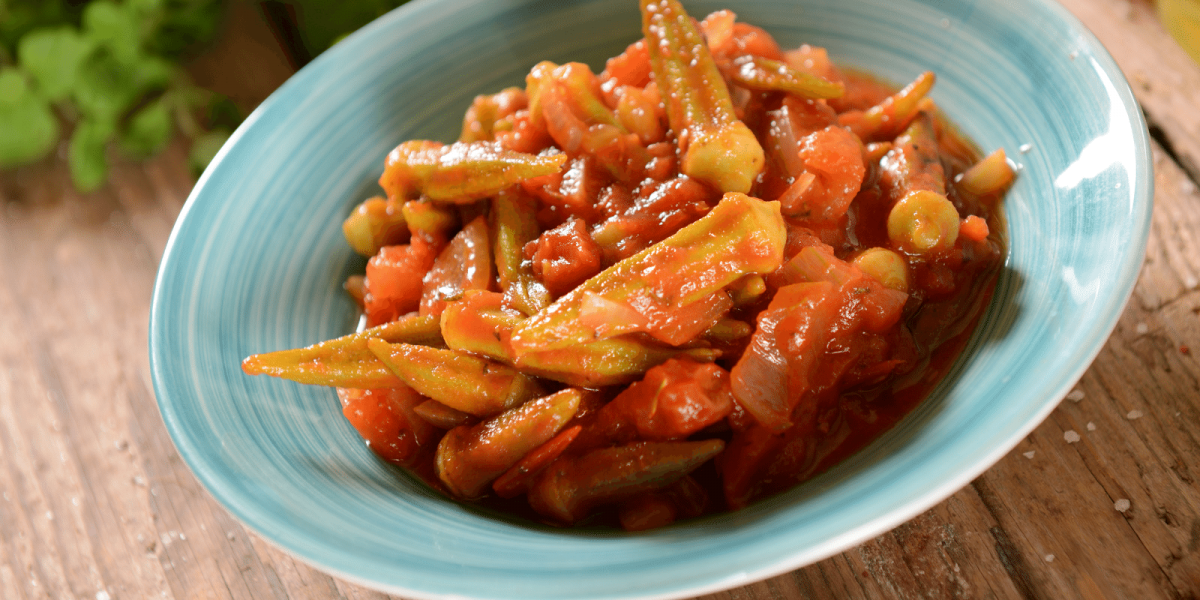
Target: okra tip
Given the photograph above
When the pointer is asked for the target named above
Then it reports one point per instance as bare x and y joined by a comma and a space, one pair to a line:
729, 158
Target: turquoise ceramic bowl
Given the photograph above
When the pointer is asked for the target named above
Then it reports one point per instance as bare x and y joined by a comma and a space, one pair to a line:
256, 261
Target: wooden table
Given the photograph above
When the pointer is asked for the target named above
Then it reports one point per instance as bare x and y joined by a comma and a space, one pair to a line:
96, 503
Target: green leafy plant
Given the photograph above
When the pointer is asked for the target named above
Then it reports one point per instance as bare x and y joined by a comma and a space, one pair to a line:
101, 72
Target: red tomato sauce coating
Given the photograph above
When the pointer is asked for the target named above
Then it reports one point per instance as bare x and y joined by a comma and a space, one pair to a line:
676, 383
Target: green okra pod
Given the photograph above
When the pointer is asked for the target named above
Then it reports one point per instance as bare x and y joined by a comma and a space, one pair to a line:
492, 113
767, 75
890, 117
514, 221
571, 487
462, 172
346, 361
470, 457
474, 385
478, 324
373, 224
914, 162
606, 362
716, 147
740, 236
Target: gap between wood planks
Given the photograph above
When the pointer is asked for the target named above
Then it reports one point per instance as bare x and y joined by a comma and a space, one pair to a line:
1160, 136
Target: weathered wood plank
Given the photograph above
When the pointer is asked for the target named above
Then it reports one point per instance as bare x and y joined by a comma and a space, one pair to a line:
68, 277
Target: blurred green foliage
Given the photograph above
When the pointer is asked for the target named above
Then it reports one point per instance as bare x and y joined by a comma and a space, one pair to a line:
101, 72
108, 72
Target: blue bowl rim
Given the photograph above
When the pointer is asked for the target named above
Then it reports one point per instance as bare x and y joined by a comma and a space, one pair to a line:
1111, 312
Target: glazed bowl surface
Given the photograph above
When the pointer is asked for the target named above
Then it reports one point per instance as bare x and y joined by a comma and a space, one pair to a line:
256, 261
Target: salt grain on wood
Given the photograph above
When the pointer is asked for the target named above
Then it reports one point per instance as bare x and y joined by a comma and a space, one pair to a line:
1121, 505
1071, 436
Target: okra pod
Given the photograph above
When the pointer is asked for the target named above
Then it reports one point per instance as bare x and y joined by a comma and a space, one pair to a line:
922, 219
462, 172
991, 175
478, 323
923, 222
514, 222
469, 458
717, 148
582, 91
741, 235
517, 479
429, 220
728, 330
373, 224
886, 266
571, 488
441, 416
605, 362
748, 289
492, 113
474, 385
890, 117
914, 162
766, 75
346, 361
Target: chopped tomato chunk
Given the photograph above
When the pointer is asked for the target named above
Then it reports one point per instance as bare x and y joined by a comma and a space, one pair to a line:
394, 280
565, 257
385, 419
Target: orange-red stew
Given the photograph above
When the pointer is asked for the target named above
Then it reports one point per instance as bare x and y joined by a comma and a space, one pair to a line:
690, 281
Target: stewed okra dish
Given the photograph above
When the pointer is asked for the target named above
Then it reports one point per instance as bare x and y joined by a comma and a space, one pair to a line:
674, 287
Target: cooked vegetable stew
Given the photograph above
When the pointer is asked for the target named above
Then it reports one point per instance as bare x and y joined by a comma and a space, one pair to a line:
690, 281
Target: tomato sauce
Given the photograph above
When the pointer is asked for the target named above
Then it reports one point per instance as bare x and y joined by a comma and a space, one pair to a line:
678, 286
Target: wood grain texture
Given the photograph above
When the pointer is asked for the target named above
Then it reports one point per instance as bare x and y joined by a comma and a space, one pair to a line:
96, 503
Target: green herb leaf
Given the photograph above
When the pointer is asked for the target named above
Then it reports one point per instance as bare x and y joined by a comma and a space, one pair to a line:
104, 88
151, 72
115, 26
110, 67
148, 130
53, 56
29, 126
13, 87
108, 86
86, 156
205, 148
